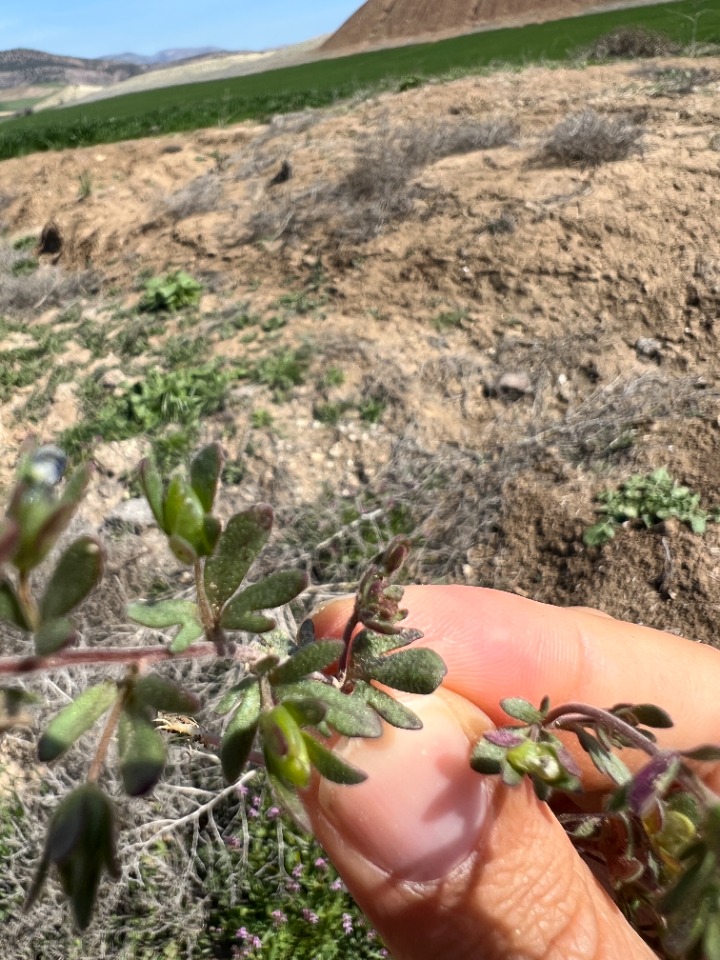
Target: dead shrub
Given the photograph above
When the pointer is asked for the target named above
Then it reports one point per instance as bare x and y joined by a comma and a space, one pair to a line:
27, 285
631, 42
588, 139
202, 195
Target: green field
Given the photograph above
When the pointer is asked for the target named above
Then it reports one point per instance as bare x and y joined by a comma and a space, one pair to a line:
259, 96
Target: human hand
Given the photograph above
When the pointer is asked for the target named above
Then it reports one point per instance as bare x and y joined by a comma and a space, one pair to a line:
448, 863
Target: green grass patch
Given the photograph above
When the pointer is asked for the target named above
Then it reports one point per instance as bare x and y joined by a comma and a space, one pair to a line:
321, 84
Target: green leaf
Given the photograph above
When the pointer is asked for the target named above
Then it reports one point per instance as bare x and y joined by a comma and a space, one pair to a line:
347, 714
387, 707
212, 528
205, 470
288, 799
487, 757
286, 754
169, 613
607, 763
599, 533
141, 750
415, 671
711, 936
11, 609
76, 487
162, 694
645, 713
249, 623
308, 659
306, 712
152, 486
78, 572
368, 645
235, 695
703, 753
329, 765
75, 719
522, 710
182, 550
242, 540
274, 591
53, 635
239, 735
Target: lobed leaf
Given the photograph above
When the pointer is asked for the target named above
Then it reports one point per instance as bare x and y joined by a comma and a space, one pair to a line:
387, 707
11, 610
414, 671
169, 613
162, 694
53, 635
367, 645
348, 715
239, 735
75, 719
274, 591
329, 765
242, 540
308, 659
77, 573
205, 470
141, 750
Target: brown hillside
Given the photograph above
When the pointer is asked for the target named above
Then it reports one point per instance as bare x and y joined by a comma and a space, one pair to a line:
382, 21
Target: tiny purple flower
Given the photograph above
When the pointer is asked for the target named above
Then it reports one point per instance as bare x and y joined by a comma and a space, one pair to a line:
292, 885
347, 924
321, 864
298, 870
273, 813
309, 915
337, 884
278, 917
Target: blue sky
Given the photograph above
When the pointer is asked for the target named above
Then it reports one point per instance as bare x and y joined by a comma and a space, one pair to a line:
91, 28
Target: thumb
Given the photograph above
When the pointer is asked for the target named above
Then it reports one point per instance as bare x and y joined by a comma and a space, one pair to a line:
448, 863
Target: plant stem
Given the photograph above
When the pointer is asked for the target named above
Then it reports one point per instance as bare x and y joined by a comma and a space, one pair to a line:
347, 638
27, 600
212, 630
107, 735
570, 715
124, 655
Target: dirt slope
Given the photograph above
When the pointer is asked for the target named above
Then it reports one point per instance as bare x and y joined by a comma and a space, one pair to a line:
508, 337
379, 22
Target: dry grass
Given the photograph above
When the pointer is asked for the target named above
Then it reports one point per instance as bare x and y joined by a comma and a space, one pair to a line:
588, 139
631, 42
202, 195
27, 285
380, 186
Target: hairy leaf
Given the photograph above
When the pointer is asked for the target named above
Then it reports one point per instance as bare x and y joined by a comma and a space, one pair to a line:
240, 733
182, 549
53, 635
387, 707
78, 572
521, 710
205, 470
162, 694
11, 609
242, 540
169, 613
141, 749
249, 622
235, 694
274, 591
415, 671
308, 659
368, 645
152, 486
486, 757
306, 712
348, 715
329, 765
75, 719
607, 763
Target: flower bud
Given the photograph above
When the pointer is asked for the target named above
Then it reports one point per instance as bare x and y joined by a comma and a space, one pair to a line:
285, 751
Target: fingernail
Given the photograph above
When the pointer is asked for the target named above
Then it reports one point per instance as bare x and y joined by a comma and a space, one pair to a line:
421, 811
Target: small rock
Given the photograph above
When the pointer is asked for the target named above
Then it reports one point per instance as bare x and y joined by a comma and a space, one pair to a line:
648, 348
113, 378
134, 515
512, 385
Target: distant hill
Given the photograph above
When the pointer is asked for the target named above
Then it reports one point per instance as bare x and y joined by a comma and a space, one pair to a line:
380, 22
21, 67
164, 56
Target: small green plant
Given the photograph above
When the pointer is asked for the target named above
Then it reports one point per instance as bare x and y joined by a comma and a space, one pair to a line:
372, 410
170, 293
449, 320
648, 499
330, 413
21, 268
25, 243
284, 370
84, 185
261, 419
333, 377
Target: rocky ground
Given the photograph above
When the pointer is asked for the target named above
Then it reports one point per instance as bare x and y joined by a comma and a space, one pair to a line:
487, 332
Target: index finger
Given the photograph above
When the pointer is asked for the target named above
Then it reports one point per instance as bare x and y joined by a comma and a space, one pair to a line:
498, 645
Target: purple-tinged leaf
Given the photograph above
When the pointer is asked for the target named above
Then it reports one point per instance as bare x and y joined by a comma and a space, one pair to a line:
652, 782
77, 573
504, 737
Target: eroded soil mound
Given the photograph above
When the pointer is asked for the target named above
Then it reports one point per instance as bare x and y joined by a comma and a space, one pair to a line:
426, 318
